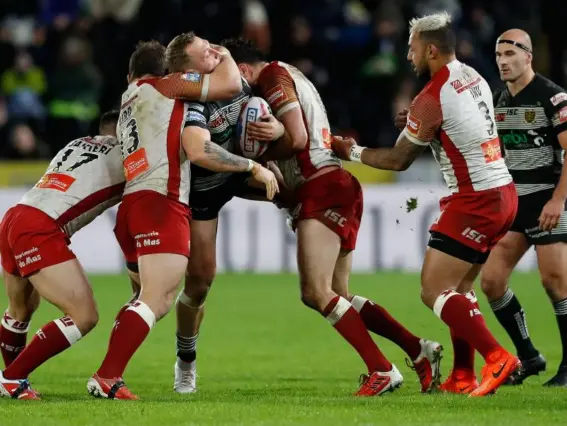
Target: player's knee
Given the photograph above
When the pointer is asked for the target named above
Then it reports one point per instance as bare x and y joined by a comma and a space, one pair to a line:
555, 284
86, 319
313, 299
493, 286
428, 297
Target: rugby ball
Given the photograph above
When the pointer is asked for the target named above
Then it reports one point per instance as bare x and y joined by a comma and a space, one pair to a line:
252, 110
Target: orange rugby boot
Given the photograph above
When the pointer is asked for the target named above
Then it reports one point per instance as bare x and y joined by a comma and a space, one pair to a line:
500, 364
109, 388
460, 381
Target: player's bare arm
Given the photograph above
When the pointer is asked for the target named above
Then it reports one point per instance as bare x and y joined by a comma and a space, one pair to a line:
552, 211
204, 153
398, 158
225, 81
293, 140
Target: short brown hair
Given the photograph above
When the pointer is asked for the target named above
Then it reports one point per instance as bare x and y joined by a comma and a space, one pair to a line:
148, 58
176, 56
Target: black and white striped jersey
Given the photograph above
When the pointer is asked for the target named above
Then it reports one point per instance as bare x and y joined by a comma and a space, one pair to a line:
528, 125
220, 119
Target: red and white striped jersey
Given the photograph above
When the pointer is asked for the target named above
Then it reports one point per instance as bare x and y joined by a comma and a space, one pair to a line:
83, 180
454, 114
149, 132
285, 87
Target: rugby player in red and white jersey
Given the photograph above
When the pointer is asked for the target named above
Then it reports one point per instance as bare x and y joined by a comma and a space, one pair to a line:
328, 214
152, 224
83, 180
454, 115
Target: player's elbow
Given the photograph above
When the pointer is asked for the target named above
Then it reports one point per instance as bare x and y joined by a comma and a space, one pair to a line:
232, 87
299, 140
401, 165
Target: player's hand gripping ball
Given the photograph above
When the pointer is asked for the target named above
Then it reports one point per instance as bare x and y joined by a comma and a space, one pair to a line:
253, 139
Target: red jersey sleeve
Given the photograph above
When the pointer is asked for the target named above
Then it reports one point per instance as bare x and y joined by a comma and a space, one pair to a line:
424, 119
278, 88
191, 86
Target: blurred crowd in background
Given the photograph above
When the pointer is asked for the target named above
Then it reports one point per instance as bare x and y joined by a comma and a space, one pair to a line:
63, 62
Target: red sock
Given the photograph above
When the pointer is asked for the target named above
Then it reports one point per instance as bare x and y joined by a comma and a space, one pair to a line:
379, 321
50, 340
116, 321
463, 351
13, 337
132, 327
466, 321
340, 313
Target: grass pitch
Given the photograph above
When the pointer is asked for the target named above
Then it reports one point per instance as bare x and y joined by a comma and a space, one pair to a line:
265, 359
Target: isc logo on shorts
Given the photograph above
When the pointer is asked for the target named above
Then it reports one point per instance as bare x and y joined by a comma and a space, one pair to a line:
336, 218
471, 234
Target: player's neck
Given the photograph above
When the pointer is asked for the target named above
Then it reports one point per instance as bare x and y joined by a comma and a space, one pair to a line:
516, 86
435, 66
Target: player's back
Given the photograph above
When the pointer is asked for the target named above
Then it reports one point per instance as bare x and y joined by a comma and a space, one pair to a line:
149, 132
468, 147
83, 180
278, 80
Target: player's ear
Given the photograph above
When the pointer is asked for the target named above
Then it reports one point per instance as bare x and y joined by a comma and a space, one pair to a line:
129, 78
243, 70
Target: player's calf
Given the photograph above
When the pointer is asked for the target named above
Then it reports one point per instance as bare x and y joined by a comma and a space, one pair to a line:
23, 302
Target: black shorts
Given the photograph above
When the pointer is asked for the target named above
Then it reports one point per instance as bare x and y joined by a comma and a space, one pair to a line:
206, 205
526, 222
455, 248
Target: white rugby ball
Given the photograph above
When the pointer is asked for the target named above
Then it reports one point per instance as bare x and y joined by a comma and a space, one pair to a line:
251, 111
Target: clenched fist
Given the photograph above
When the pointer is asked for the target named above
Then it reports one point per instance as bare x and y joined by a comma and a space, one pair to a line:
401, 119
342, 147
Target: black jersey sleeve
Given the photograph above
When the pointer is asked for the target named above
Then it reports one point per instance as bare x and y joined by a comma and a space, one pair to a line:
555, 103
197, 115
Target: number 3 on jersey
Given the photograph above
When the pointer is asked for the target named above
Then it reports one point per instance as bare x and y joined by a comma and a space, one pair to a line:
135, 159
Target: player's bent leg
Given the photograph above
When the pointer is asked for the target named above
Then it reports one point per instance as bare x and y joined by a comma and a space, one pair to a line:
23, 301
65, 286
190, 306
160, 275
506, 306
318, 249
552, 262
424, 354
441, 275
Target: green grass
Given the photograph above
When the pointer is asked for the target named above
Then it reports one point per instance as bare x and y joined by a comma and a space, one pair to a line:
265, 359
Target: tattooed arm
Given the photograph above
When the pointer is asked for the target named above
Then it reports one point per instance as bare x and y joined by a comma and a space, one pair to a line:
204, 153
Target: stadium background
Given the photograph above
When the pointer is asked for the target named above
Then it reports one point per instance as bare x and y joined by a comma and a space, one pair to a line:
263, 357
63, 62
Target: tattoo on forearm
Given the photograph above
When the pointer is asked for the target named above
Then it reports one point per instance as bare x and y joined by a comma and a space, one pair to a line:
221, 156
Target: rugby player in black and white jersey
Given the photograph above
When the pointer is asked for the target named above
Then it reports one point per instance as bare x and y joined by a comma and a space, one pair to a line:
531, 117
210, 191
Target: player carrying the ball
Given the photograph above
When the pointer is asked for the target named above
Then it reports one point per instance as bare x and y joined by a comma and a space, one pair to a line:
454, 115
327, 219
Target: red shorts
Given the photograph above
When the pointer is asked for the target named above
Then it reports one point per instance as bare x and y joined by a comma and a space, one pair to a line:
30, 240
150, 223
334, 199
478, 219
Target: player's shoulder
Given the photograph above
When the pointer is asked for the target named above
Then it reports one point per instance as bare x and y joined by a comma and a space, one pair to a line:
275, 69
552, 92
500, 96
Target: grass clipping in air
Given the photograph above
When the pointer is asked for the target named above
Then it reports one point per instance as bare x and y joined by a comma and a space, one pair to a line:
411, 204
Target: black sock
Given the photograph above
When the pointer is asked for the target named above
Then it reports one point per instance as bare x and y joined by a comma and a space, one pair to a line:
560, 309
511, 316
187, 348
